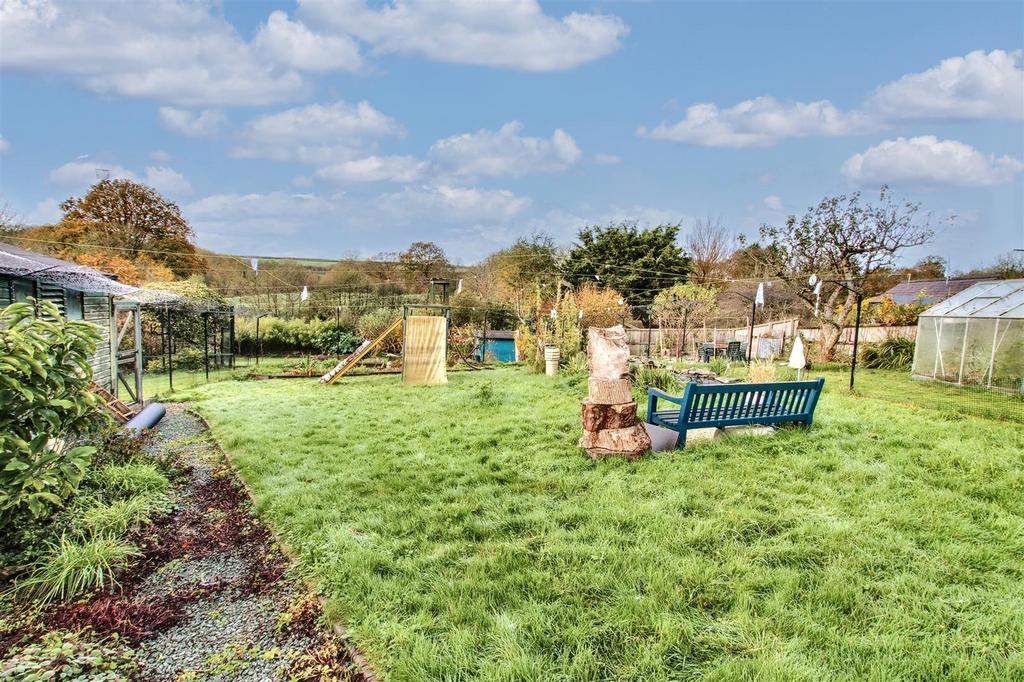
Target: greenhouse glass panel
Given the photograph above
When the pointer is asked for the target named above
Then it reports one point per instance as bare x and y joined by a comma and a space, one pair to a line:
975, 338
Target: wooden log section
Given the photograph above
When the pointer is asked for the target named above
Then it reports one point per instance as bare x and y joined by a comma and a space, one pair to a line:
609, 391
608, 352
631, 442
597, 417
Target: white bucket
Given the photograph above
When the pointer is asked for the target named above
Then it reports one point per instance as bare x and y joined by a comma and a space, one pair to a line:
551, 356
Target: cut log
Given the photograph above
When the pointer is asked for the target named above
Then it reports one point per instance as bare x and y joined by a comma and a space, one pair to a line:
597, 417
609, 391
630, 442
608, 352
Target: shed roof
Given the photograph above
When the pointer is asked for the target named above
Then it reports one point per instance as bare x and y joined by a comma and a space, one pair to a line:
18, 262
927, 291
498, 334
1000, 299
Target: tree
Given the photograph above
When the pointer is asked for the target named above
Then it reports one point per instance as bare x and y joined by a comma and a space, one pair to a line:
131, 220
528, 267
683, 305
423, 261
709, 244
638, 263
844, 241
1006, 266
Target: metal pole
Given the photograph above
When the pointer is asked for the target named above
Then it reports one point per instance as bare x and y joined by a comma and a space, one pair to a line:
258, 345
231, 340
170, 351
750, 339
206, 345
856, 337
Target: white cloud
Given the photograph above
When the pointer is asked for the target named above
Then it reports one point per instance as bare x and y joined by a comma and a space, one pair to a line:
758, 122
513, 34
167, 180
449, 203
607, 159
926, 160
170, 51
273, 212
374, 169
45, 212
83, 173
160, 155
4, 145
292, 43
773, 202
975, 86
505, 152
317, 134
193, 124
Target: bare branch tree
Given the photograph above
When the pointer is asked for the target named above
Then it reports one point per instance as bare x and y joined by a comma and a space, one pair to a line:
842, 240
709, 245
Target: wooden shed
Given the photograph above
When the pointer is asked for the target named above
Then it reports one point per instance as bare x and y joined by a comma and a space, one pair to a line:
82, 293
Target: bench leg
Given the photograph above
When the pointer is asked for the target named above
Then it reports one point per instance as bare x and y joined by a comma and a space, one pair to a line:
681, 443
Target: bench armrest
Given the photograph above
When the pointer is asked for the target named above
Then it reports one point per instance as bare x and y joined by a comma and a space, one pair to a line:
653, 395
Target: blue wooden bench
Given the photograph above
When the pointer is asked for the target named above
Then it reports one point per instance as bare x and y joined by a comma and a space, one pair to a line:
719, 405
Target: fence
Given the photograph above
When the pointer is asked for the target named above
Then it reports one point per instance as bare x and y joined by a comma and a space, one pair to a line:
770, 338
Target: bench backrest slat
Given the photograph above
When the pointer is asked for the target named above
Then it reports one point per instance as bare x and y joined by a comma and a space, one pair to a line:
710, 403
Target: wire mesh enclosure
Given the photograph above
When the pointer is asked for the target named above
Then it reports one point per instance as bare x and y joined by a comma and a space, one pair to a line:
975, 338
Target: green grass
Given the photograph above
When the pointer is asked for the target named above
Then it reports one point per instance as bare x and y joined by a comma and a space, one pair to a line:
460, 535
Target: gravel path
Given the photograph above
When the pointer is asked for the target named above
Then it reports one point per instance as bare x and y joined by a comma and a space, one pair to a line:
242, 617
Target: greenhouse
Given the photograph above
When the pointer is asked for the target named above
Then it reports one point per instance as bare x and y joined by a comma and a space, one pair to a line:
975, 338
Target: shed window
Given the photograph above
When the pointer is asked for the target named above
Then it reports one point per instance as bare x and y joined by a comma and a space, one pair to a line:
22, 289
73, 304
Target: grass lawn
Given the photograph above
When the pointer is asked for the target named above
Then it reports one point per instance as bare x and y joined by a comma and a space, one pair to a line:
460, 535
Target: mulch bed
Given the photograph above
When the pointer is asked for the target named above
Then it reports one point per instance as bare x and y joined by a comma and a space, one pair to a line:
212, 598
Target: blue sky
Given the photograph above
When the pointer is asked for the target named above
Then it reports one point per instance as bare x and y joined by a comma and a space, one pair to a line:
333, 127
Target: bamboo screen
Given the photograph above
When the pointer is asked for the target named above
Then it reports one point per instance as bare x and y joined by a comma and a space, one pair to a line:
425, 354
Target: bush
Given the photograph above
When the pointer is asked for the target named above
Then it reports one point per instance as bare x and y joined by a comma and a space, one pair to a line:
372, 325
132, 479
71, 568
44, 390
893, 353
189, 359
119, 446
337, 341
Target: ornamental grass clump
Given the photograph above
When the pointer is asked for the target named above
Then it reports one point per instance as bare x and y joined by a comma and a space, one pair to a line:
132, 479
72, 568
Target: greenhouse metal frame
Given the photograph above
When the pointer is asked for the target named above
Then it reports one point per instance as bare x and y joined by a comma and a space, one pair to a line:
975, 338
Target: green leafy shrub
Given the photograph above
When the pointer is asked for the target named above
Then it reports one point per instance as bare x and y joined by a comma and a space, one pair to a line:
69, 656
44, 391
892, 353
189, 359
132, 479
373, 324
71, 568
337, 341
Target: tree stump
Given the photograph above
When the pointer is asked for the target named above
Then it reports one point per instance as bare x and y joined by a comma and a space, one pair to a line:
610, 424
